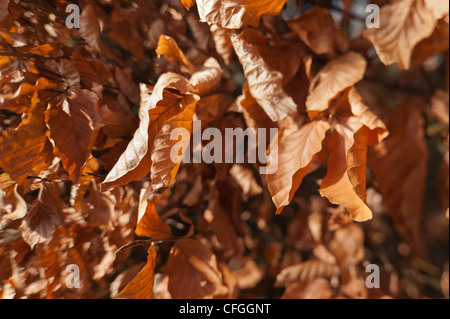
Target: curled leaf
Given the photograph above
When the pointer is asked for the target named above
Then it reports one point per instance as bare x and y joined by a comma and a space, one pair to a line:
265, 83
333, 79
236, 14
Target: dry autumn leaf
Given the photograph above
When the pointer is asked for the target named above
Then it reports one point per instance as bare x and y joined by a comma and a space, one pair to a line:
296, 151
150, 224
42, 220
73, 123
20, 149
193, 271
136, 161
235, 14
334, 78
141, 287
402, 178
169, 48
265, 83
206, 79
415, 20
317, 29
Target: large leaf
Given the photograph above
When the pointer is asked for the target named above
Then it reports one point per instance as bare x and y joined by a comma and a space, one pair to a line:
403, 24
236, 14
399, 164
164, 104
265, 83
356, 127
165, 164
296, 150
347, 154
73, 123
333, 79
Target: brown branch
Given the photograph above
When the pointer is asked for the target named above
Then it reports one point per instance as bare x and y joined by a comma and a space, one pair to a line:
24, 55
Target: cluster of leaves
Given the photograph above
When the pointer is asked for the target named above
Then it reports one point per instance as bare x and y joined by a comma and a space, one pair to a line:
86, 175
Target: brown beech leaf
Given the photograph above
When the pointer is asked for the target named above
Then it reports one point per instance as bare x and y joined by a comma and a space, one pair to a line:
100, 207
12, 205
414, 21
333, 79
90, 28
193, 271
212, 107
94, 74
438, 42
91, 31
206, 79
378, 130
255, 116
356, 128
42, 220
236, 14
318, 288
223, 44
136, 161
73, 123
17, 96
169, 48
165, 165
150, 224
124, 79
402, 178
141, 287
118, 123
344, 183
265, 83
296, 151
317, 29
87, 175
20, 149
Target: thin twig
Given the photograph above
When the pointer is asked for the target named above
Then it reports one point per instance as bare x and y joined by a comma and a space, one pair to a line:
24, 55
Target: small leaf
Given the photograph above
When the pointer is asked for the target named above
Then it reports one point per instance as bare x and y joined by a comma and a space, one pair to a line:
169, 48
150, 224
